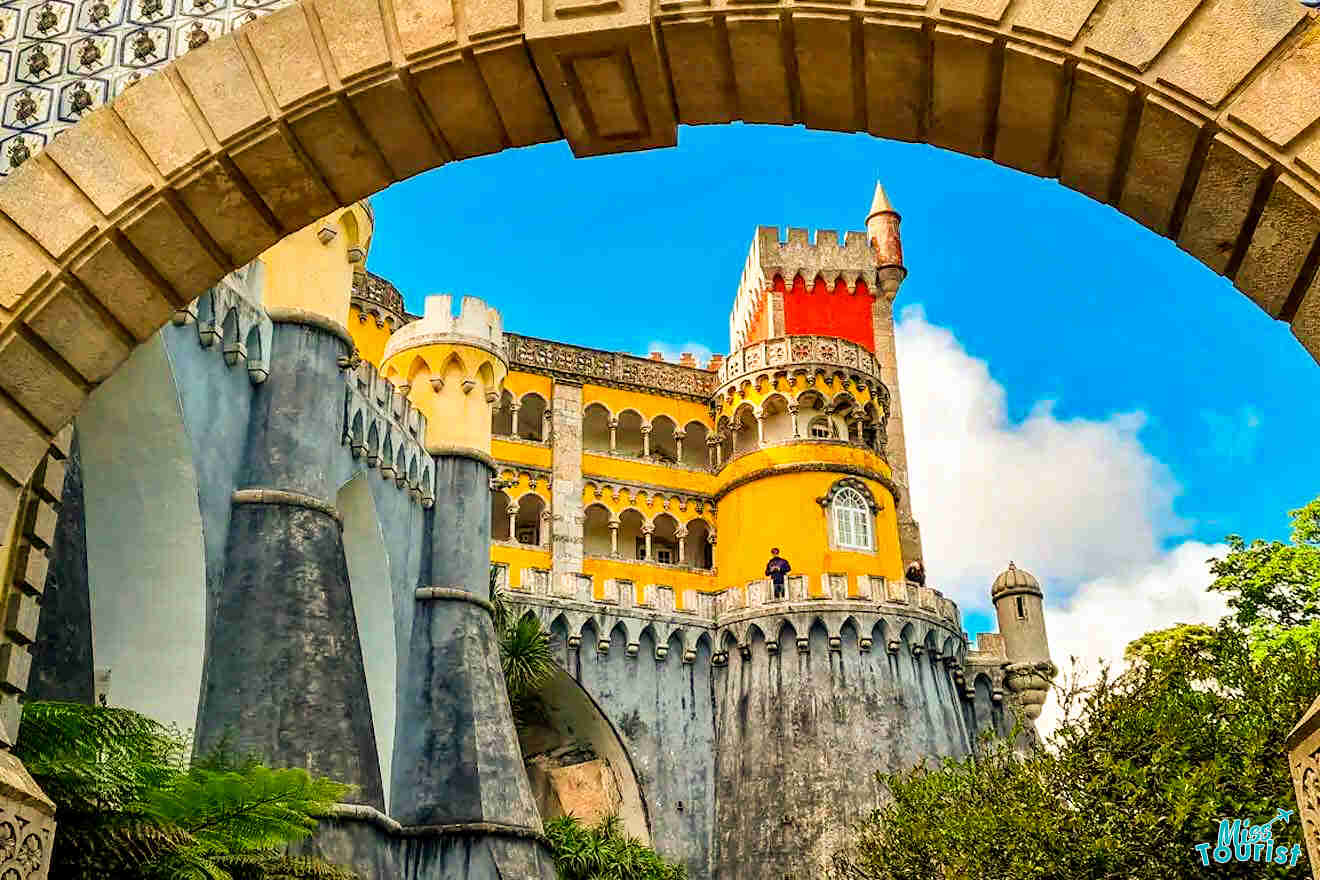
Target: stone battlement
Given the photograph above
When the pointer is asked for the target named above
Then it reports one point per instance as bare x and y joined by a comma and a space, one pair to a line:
476, 324
230, 313
382, 426
864, 624
802, 253
740, 604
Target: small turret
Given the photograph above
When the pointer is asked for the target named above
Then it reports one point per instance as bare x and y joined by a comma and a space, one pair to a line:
882, 232
452, 370
1020, 609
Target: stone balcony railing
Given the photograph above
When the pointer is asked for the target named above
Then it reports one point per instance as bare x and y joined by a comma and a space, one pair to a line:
806, 352
738, 602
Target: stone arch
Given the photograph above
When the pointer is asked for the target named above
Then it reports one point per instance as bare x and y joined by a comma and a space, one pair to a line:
628, 433
695, 435
596, 428
501, 416
573, 717
596, 530
632, 543
499, 515
1172, 119
529, 525
743, 429
699, 552
664, 538
776, 418
663, 442
531, 417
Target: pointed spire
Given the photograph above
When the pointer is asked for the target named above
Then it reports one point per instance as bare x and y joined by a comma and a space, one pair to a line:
880, 203
882, 231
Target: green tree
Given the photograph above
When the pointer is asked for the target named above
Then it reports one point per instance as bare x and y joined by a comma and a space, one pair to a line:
130, 805
604, 852
1144, 764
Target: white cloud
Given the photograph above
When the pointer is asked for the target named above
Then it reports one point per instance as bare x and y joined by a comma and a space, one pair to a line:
1067, 499
1098, 621
672, 351
1080, 503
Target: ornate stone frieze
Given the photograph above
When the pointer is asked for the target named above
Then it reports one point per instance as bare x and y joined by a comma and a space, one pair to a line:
800, 352
377, 298
608, 368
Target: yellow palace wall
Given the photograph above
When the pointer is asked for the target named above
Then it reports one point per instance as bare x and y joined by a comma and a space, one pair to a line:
780, 510
367, 337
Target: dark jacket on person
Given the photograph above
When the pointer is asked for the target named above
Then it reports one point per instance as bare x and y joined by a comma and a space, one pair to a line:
777, 568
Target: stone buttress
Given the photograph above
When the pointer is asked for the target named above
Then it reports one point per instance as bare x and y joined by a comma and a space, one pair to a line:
284, 675
458, 785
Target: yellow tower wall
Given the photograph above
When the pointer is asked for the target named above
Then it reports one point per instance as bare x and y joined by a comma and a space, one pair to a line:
369, 339
454, 386
773, 504
314, 275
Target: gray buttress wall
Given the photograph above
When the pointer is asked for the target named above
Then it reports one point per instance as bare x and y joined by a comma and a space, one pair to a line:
663, 711
800, 737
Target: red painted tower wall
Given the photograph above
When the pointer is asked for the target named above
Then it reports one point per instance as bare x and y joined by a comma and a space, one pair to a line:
820, 311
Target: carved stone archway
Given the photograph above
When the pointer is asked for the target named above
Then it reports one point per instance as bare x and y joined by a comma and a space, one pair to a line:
1200, 119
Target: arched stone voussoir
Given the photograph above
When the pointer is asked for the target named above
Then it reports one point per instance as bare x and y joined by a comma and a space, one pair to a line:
1198, 121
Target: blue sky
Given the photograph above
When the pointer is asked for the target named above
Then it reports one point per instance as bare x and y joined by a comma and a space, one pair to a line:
1064, 300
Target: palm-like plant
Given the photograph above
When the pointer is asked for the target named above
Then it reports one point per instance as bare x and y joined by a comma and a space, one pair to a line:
131, 806
525, 656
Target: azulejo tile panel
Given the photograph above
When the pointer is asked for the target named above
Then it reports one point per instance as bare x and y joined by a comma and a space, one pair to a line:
61, 59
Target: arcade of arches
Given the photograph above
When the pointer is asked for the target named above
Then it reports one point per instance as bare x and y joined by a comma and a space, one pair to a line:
1198, 119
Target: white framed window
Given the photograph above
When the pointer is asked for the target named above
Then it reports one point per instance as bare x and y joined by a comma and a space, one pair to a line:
852, 520
821, 429
665, 556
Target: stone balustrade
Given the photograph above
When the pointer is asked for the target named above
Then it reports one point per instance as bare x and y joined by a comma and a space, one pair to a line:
804, 352
742, 601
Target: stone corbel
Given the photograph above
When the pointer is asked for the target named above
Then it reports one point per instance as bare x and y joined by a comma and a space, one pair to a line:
356, 255
603, 646
468, 385
491, 397
865, 644
803, 645
745, 650
836, 644
892, 646
437, 384
574, 642
719, 659
916, 650
772, 648
689, 655
325, 235
632, 649
661, 652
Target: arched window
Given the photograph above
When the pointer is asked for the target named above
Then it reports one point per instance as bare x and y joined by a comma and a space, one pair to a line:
821, 429
852, 520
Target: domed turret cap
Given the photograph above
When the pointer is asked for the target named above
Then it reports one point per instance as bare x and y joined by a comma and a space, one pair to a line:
1016, 579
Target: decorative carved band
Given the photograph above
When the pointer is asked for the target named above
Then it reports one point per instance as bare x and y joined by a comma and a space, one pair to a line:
288, 499
485, 458
311, 319
364, 813
453, 594
610, 369
806, 467
789, 351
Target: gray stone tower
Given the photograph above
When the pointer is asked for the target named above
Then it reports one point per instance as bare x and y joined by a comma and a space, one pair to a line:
1020, 609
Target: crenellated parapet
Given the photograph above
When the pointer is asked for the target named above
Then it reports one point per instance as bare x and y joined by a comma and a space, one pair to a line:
610, 369
806, 254
230, 320
897, 617
384, 429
